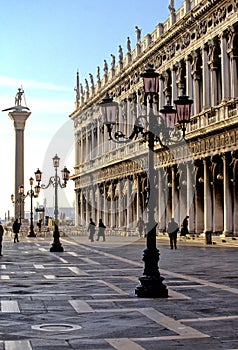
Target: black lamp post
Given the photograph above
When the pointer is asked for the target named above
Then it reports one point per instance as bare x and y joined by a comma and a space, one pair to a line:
159, 129
33, 194
55, 182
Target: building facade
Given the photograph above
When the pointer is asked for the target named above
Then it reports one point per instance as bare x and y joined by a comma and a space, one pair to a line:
195, 52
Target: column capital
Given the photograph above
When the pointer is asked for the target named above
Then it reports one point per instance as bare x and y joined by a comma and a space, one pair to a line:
19, 118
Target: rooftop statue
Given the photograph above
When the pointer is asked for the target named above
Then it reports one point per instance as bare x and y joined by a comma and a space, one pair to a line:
138, 34
171, 6
128, 44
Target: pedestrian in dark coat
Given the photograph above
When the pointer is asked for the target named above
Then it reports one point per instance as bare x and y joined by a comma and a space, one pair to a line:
101, 230
173, 228
16, 228
91, 229
1, 237
141, 226
184, 228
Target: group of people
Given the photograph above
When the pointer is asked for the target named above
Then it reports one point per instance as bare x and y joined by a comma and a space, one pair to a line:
173, 229
92, 228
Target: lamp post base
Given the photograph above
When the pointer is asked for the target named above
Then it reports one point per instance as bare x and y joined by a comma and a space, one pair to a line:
151, 287
56, 247
31, 234
151, 282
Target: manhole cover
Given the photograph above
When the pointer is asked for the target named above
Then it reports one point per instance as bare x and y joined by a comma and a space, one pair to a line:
54, 327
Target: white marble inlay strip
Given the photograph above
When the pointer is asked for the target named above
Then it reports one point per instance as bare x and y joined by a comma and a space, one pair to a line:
205, 319
124, 344
38, 266
176, 295
173, 325
3, 267
113, 287
10, 306
5, 277
43, 249
77, 271
63, 260
90, 261
18, 345
49, 277
201, 281
81, 306
73, 254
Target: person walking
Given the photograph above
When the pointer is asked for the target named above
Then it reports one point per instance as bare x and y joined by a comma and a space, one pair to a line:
91, 229
16, 228
173, 228
1, 237
141, 226
101, 230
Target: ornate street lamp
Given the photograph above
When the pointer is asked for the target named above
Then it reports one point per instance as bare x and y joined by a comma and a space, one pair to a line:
152, 128
33, 194
55, 182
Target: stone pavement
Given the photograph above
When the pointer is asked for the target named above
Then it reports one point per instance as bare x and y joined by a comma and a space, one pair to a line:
84, 297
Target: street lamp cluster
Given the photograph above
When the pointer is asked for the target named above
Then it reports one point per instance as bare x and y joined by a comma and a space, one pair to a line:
55, 182
165, 128
20, 201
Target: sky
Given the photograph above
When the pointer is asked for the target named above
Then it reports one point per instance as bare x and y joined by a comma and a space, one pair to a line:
42, 46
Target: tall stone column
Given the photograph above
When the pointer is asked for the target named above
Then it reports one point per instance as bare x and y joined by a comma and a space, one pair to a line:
206, 79
208, 226
225, 72
19, 115
227, 198
175, 199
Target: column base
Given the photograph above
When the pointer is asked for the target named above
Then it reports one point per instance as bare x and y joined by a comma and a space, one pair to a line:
151, 287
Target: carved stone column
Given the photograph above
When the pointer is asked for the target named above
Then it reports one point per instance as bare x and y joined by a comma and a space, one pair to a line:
227, 197
206, 79
76, 208
175, 199
213, 63
161, 94
235, 194
196, 82
207, 200
225, 72
189, 84
19, 117
232, 51
162, 200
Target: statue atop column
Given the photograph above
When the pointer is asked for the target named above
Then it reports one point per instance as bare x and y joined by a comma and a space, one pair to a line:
18, 102
18, 97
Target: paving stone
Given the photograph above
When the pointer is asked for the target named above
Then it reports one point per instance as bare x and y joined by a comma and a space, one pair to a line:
84, 298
